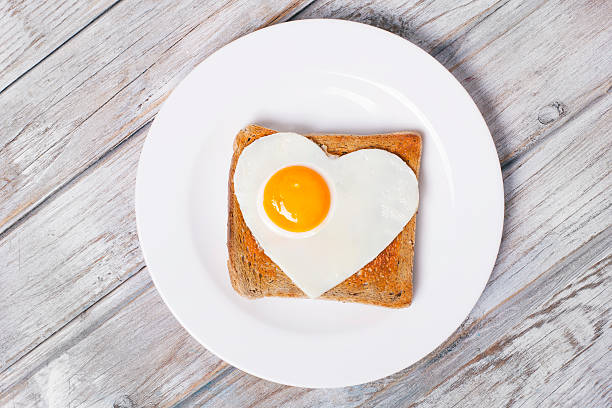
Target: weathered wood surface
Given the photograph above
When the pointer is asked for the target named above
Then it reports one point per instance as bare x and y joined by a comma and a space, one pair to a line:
104, 84
154, 363
31, 29
77, 248
81, 324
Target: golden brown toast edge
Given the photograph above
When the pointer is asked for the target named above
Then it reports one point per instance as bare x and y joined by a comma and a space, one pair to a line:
385, 281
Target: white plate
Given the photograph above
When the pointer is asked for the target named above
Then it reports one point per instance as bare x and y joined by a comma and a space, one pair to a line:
318, 76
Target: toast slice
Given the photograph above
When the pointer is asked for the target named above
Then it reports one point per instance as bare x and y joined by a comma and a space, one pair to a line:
385, 281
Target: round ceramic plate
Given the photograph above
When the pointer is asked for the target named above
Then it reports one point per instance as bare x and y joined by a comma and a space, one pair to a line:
318, 76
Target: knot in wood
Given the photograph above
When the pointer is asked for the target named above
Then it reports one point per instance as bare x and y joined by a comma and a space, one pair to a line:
550, 113
123, 402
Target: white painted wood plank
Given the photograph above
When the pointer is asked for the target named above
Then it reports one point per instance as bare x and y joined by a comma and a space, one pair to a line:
500, 312
528, 65
31, 29
576, 390
432, 25
74, 250
127, 350
104, 84
527, 365
563, 182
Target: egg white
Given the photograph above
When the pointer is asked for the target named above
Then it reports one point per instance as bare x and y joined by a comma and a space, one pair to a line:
374, 195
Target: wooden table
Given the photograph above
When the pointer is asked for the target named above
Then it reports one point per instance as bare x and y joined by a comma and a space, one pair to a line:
81, 324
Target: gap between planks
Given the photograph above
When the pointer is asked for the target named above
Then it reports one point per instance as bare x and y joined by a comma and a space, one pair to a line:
59, 46
56, 193
83, 312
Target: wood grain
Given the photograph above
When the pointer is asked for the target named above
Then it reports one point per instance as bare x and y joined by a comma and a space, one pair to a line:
106, 83
81, 324
95, 362
547, 340
77, 248
30, 30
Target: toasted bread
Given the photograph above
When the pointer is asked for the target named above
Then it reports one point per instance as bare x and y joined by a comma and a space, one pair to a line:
385, 281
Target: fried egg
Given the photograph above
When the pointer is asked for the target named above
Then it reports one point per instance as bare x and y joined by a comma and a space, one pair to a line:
321, 218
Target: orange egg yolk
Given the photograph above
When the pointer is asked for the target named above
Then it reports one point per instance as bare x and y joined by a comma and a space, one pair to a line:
296, 198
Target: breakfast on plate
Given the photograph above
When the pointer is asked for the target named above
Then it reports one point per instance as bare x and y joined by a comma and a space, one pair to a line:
323, 215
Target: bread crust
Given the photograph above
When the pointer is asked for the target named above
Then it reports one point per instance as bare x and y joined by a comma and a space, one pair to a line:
385, 281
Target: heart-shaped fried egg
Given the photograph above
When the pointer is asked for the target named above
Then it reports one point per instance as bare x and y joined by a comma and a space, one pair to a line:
322, 218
